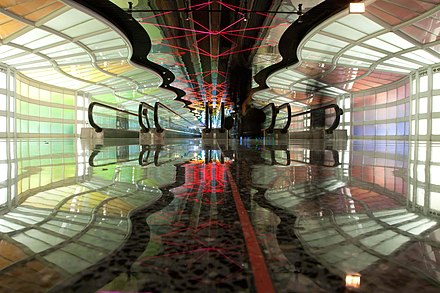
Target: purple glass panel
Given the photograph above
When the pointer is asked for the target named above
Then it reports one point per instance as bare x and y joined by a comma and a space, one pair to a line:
401, 128
358, 116
358, 130
370, 115
370, 130
391, 129
381, 129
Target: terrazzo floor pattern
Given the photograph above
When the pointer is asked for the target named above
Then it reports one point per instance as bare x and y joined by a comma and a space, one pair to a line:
219, 216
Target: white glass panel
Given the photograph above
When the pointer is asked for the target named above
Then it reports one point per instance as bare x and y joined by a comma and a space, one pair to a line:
362, 52
323, 39
68, 19
344, 31
30, 36
108, 44
103, 37
423, 127
2, 80
436, 104
353, 62
323, 47
392, 38
85, 28
435, 126
422, 56
2, 126
435, 179
361, 23
393, 69
436, 81
421, 154
3, 195
423, 105
402, 63
434, 200
413, 127
63, 50
49, 40
375, 42
423, 82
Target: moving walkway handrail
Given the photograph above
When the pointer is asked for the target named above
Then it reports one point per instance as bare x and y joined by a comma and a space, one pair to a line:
273, 119
143, 111
338, 112
160, 129
90, 114
289, 117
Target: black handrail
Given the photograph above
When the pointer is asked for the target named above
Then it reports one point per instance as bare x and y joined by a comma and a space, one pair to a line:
222, 117
143, 112
90, 114
338, 112
289, 118
160, 129
273, 120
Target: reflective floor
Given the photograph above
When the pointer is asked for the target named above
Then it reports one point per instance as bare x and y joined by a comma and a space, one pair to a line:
236, 216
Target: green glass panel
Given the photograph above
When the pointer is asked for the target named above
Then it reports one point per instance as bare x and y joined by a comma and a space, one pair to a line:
44, 127
69, 114
69, 100
57, 127
34, 126
44, 111
56, 97
34, 110
24, 126
68, 128
56, 113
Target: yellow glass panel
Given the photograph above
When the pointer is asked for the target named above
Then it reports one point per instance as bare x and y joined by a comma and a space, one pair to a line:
10, 3
115, 67
10, 28
85, 72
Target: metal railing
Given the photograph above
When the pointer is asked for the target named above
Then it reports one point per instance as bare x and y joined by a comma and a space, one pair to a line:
322, 110
283, 121
143, 113
269, 125
160, 124
110, 118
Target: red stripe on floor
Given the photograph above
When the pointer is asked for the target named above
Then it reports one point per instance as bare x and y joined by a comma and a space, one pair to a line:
263, 282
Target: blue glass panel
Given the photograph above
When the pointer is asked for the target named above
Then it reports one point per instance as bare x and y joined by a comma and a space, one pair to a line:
358, 130
391, 129
381, 129
401, 128
370, 130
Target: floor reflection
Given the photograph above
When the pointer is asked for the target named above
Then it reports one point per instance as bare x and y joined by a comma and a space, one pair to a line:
233, 216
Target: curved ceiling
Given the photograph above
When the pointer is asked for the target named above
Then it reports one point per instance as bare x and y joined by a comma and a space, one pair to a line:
355, 52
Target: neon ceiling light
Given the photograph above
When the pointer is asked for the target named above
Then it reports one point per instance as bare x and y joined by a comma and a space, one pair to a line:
198, 89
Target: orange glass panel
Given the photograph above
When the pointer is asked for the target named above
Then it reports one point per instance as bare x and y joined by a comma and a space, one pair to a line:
28, 7
10, 28
44, 12
9, 253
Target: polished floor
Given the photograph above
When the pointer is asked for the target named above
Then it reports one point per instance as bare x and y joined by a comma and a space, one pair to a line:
223, 216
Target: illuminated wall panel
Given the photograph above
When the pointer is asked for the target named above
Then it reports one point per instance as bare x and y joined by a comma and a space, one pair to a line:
425, 104
378, 113
32, 109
